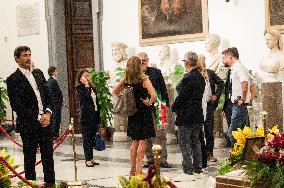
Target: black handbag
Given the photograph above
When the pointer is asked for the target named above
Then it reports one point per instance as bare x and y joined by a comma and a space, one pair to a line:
99, 143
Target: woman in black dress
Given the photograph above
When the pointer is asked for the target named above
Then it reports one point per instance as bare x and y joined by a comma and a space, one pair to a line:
89, 115
140, 125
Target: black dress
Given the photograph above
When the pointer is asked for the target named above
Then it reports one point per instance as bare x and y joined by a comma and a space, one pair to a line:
140, 125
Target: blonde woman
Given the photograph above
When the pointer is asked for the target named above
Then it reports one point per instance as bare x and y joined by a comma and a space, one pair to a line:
213, 90
140, 125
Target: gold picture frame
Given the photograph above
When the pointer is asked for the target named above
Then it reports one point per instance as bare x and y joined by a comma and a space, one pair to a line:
274, 15
172, 21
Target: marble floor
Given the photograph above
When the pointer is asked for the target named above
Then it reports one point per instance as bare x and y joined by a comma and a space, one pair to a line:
114, 162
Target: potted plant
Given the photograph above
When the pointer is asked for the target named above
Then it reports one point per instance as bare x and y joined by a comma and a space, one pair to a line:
100, 80
3, 98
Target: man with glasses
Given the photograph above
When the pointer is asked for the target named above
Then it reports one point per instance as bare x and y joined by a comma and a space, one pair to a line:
188, 108
158, 83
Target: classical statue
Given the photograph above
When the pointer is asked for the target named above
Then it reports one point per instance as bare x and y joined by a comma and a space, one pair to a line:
167, 62
120, 57
119, 54
214, 61
273, 62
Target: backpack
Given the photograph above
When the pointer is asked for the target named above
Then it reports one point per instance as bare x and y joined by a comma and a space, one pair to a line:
125, 104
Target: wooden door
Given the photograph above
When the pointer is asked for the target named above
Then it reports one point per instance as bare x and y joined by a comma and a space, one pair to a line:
80, 47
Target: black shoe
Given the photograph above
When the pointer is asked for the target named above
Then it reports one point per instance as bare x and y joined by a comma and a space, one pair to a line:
165, 165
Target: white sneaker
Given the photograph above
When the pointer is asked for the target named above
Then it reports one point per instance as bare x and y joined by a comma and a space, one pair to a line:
183, 177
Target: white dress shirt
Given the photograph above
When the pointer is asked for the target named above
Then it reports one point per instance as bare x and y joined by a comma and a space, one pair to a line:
239, 74
28, 74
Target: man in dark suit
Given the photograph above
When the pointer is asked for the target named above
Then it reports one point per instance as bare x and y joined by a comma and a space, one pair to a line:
158, 83
214, 81
56, 98
29, 98
188, 108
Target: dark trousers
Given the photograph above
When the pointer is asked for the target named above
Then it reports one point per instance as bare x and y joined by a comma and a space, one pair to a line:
209, 127
88, 142
228, 112
56, 120
43, 139
189, 143
203, 149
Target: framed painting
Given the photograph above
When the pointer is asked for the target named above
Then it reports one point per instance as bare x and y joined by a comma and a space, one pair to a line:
172, 21
274, 15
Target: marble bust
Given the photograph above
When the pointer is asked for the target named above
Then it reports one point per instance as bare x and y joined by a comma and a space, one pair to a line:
273, 62
120, 57
167, 63
214, 61
119, 54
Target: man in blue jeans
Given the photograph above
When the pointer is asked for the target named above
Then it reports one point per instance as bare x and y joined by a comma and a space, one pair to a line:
238, 94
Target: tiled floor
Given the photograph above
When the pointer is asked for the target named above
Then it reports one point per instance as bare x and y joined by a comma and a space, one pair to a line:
114, 162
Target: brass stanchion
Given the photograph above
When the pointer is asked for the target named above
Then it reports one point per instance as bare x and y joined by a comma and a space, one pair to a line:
157, 149
249, 108
75, 182
264, 122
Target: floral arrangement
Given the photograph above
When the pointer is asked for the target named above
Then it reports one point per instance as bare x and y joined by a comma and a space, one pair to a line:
148, 180
236, 154
268, 168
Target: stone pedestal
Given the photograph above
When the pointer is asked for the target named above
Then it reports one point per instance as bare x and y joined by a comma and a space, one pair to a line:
234, 179
271, 94
120, 126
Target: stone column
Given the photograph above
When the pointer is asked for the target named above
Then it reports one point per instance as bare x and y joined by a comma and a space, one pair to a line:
171, 137
271, 93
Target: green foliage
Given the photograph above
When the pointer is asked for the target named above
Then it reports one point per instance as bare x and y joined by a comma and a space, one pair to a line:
120, 73
100, 80
36, 185
177, 74
224, 168
3, 98
5, 180
262, 174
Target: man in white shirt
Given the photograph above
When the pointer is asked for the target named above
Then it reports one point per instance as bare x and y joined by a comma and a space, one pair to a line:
29, 98
238, 94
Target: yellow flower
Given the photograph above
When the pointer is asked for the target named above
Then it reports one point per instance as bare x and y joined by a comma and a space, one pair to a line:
239, 136
259, 131
275, 129
247, 132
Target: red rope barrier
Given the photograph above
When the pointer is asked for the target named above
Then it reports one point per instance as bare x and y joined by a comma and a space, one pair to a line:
9, 137
57, 143
16, 173
9, 120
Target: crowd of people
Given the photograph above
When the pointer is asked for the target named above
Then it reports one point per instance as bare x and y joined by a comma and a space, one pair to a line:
38, 103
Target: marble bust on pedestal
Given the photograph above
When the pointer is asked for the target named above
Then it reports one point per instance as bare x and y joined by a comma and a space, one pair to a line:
273, 62
119, 54
214, 61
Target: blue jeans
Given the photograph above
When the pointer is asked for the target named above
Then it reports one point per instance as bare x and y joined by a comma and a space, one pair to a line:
238, 119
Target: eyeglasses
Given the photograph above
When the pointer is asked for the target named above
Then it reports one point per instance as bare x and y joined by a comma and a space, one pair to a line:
144, 60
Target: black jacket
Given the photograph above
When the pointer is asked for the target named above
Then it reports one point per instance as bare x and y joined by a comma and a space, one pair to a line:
214, 80
55, 93
188, 103
23, 99
158, 82
87, 107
